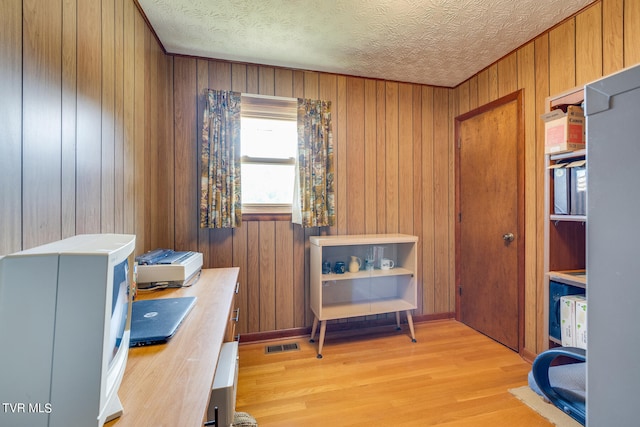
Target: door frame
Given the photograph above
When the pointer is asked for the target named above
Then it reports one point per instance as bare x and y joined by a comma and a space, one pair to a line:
520, 149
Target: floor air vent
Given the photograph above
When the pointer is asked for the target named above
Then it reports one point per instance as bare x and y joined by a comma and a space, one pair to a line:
270, 349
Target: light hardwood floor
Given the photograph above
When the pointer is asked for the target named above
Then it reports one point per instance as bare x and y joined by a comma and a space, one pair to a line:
453, 376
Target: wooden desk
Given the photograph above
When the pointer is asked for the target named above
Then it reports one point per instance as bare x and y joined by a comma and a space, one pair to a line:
169, 384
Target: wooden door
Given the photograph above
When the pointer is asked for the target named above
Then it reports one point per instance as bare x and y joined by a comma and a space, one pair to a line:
489, 232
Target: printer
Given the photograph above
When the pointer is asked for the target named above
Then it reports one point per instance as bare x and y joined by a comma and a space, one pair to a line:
168, 268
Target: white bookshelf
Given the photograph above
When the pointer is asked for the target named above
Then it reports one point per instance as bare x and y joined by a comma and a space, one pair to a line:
365, 292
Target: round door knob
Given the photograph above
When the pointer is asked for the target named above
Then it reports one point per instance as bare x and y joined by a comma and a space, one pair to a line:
508, 237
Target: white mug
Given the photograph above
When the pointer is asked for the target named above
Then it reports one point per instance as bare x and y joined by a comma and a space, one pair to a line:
386, 264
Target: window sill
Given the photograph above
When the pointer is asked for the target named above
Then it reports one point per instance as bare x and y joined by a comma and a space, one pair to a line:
266, 216
252, 212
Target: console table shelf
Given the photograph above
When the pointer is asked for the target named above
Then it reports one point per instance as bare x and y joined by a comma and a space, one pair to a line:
366, 274
341, 311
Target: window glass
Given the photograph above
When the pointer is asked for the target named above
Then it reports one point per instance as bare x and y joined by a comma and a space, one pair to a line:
266, 138
267, 184
269, 146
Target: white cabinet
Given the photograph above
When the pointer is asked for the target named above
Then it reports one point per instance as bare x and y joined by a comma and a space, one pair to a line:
362, 292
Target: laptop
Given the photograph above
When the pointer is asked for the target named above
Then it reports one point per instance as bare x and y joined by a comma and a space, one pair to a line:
155, 321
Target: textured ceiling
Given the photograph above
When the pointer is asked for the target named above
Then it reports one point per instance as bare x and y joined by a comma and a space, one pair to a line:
435, 42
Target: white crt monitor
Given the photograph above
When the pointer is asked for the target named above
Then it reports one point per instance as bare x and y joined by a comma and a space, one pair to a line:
64, 331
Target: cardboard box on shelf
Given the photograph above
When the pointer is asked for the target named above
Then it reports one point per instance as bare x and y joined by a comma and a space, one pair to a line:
581, 323
564, 131
568, 319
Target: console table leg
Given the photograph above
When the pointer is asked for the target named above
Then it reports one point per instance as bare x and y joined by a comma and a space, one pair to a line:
398, 321
314, 328
410, 321
323, 330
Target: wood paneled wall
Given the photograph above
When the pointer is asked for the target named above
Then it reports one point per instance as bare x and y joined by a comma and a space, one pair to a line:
86, 122
393, 175
100, 133
395, 161
601, 39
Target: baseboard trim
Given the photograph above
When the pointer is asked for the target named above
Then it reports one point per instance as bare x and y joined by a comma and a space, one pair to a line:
527, 355
337, 328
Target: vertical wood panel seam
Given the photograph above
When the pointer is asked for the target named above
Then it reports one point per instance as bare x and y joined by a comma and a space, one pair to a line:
602, 37
575, 50
61, 112
101, 124
624, 45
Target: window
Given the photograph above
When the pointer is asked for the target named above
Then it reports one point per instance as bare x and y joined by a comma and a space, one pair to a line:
268, 149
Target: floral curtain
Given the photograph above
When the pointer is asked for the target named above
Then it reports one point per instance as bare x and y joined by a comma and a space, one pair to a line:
314, 194
220, 201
